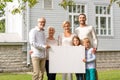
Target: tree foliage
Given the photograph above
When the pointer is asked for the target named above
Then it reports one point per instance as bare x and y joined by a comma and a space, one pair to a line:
66, 3
114, 1
31, 3
20, 8
2, 25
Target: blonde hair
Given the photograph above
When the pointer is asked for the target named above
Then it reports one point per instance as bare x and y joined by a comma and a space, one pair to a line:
85, 39
66, 22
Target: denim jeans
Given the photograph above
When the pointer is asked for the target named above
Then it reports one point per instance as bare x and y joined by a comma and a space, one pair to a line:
80, 76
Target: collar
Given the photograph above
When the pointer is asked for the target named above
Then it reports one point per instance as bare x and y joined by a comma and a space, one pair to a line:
39, 29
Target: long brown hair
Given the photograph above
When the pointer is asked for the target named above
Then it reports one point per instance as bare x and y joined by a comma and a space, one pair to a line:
76, 37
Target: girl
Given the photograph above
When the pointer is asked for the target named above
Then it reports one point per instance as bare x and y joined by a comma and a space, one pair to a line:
90, 60
76, 42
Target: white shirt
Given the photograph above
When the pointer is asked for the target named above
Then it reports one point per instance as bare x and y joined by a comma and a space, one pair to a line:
65, 41
90, 59
37, 41
51, 43
87, 32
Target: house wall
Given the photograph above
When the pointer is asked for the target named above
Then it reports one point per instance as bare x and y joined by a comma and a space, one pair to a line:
54, 16
108, 60
57, 15
13, 59
111, 43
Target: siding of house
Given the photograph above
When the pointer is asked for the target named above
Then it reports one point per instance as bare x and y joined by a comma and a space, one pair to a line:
57, 15
54, 17
111, 43
12, 59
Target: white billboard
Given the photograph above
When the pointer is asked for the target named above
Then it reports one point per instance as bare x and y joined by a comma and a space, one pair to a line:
66, 59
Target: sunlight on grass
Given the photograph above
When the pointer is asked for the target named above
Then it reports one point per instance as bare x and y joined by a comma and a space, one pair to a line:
102, 75
109, 75
11, 76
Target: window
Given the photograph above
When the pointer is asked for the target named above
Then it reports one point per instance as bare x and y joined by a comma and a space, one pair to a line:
74, 12
103, 21
2, 22
47, 4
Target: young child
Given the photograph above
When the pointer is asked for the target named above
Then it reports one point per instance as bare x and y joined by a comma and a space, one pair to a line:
76, 42
90, 60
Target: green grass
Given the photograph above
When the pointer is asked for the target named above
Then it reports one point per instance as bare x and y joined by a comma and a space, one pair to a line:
102, 75
109, 75
12, 76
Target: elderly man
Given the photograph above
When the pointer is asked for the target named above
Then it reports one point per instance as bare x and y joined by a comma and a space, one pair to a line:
38, 46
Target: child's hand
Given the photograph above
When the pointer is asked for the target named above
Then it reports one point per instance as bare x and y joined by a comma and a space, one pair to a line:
30, 52
84, 60
47, 46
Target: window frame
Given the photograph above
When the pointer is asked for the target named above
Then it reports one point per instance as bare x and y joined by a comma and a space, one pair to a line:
106, 17
49, 7
76, 14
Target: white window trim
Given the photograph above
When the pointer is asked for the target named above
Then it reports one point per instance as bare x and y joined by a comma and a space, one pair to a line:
72, 14
46, 8
111, 15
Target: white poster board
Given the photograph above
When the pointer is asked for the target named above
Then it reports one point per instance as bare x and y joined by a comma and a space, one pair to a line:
66, 59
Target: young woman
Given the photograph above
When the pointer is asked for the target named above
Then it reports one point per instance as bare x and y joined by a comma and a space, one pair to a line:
65, 39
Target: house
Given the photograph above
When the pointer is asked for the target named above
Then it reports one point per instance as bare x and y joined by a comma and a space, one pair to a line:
106, 22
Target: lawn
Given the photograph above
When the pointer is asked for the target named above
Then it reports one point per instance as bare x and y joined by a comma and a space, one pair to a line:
103, 75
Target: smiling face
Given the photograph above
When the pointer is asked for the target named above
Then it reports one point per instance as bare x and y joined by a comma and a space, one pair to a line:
76, 41
66, 26
51, 31
86, 43
82, 19
41, 23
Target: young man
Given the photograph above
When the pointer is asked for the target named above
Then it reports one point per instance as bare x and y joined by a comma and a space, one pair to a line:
38, 46
86, 31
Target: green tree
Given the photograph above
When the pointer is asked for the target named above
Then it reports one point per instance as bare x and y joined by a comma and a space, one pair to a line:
21, 8
2, 26
31, 3
114, 1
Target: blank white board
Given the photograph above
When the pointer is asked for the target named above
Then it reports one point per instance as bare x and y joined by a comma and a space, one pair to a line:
66, 59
